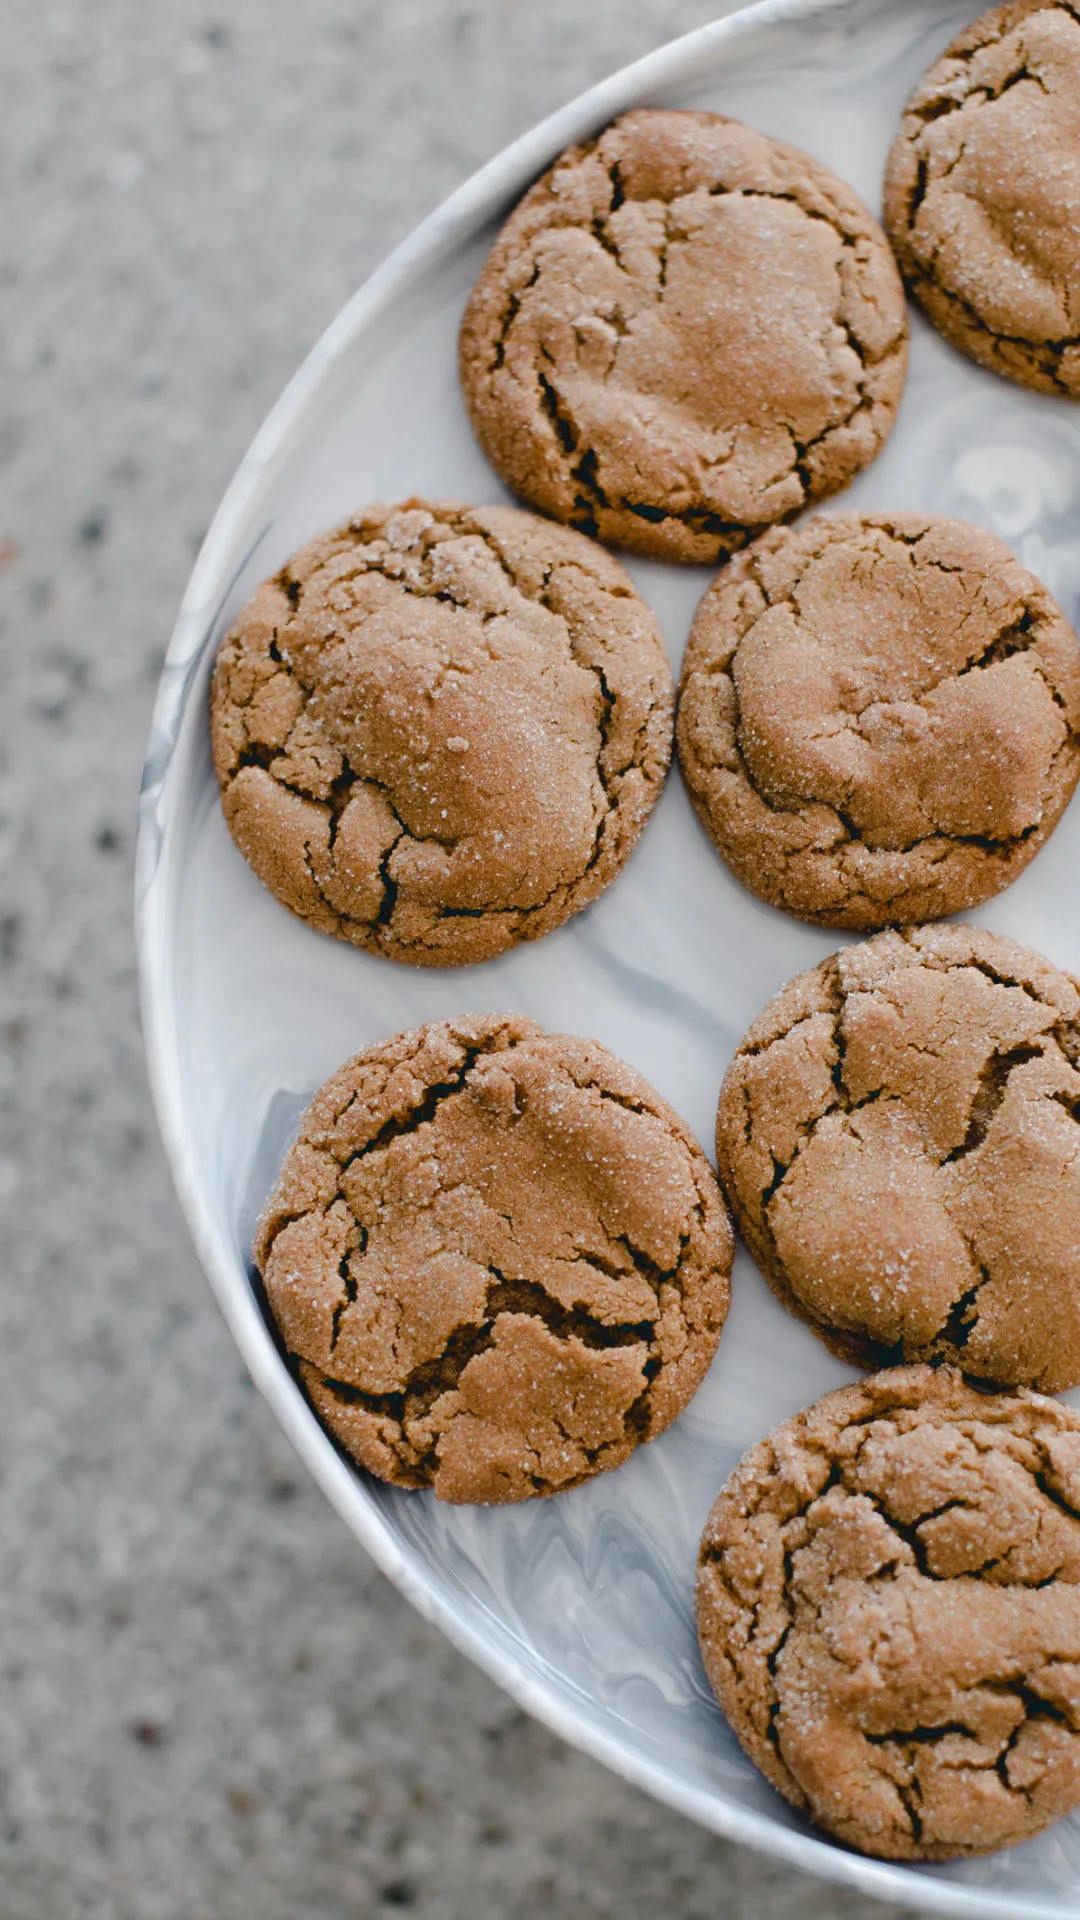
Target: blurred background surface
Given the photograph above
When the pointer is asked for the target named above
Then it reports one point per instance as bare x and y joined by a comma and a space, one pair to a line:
214, 1708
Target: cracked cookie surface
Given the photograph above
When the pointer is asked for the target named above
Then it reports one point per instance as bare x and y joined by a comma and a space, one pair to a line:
879, 717
899, 1139
439, 730
982, 193
500, 1258
684, 333
888, 1605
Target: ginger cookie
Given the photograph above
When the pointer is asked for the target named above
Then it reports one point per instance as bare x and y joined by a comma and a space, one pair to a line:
899, 1139
500, 1258
684, 333
879, 717
982, 193
888, 1602
439, 729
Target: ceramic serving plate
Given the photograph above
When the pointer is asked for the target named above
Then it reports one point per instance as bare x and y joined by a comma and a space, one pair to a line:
581, 1606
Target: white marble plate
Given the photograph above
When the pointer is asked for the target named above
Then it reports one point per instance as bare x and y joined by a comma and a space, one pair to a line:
580, 1606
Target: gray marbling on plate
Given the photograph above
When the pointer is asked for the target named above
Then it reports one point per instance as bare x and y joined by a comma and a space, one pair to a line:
581, 1606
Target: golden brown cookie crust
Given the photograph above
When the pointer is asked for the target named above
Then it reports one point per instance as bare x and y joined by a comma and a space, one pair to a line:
500, 1258
879, 717
982, 193
899, 1139
685, 332
889, 1613
439, 729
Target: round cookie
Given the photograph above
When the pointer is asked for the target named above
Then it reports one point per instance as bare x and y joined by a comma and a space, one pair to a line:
879, 717
899, 1139
685, 332
439, 729
982, 193
888, 1602
500, 1258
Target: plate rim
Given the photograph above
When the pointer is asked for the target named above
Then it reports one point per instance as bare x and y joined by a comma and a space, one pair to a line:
456, 219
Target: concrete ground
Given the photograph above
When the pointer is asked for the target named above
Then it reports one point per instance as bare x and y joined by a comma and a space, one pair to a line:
213, 1707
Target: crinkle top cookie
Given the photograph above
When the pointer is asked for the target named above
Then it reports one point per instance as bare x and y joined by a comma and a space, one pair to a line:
879, 717
500, 1257
899, 1138
685, 332
889, 1612
982, 193
439, 729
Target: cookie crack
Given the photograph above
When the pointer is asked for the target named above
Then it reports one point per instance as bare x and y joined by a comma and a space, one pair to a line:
1050, 1492
425, 1110
1019, 636
416, 1396
962, 1318
842, 1103
348, 1294
1046, 353
427, 1383
583, 471
990, 1091
962, 56
1035, 1708
908, 1532
513, 306
909, 1794
529, 1297
981, 964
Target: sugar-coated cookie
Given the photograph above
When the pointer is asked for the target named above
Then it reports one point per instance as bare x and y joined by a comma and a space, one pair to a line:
439, 730
982, 193
499, 1256
879, 717
685, 332
899, 1138
889, 1610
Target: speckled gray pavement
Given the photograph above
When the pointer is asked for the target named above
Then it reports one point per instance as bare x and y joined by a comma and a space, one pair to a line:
213, 1707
